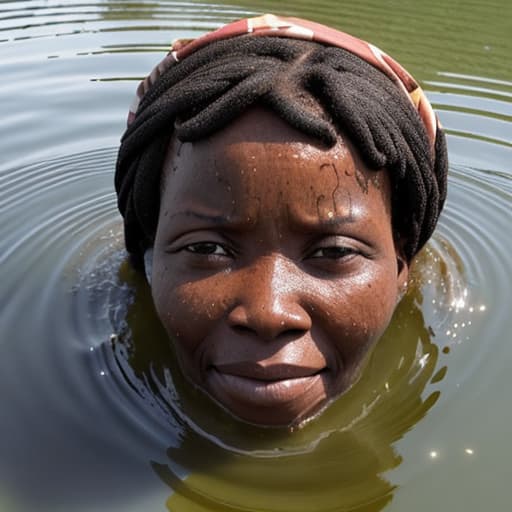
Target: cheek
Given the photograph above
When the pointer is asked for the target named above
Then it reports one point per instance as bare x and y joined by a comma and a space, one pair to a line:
189, 310
359, 310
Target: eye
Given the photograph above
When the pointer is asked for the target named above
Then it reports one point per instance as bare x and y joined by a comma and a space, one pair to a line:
207, 249
334, 252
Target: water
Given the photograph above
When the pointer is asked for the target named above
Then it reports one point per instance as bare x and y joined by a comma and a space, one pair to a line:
91, 418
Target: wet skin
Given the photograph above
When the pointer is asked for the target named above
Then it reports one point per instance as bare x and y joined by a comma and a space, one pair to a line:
274, 267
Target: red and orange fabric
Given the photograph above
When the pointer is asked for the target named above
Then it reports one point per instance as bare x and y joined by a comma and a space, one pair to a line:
296, 28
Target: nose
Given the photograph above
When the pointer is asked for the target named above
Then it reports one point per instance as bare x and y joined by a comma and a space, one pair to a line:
269, 301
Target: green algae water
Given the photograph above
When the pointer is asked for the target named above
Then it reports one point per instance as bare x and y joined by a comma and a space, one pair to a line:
94, 415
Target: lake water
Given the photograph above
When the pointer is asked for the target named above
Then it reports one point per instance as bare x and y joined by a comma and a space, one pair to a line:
90, 416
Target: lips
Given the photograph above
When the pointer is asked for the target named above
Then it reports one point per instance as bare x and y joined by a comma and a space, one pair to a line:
252, 385
266, 372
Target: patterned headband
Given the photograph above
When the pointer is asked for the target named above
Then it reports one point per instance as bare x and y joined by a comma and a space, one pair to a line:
296, 28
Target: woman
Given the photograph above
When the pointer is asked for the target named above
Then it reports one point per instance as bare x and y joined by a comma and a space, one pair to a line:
277, 177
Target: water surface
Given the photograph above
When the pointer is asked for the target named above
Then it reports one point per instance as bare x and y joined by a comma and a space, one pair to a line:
94, 417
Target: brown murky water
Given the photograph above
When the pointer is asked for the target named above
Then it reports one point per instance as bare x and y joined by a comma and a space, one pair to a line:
94, 415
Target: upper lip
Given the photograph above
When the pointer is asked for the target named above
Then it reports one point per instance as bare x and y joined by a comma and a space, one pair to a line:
270, 372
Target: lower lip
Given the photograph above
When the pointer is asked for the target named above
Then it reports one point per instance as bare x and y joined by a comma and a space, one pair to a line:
262, 393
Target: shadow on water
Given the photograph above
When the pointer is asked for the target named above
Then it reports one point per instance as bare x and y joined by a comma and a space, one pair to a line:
336, 462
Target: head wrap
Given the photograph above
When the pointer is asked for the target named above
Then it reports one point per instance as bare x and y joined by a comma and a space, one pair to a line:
296, 28
423, 194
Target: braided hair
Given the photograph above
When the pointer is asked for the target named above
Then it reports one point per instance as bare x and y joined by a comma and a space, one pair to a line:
320, 90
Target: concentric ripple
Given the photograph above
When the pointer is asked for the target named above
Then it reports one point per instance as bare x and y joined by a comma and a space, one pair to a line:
96, 415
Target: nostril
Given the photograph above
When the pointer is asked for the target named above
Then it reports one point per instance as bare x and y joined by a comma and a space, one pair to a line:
242, 329
270, 322
293, 333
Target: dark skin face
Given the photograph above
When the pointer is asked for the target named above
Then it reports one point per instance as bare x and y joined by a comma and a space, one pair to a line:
274, 266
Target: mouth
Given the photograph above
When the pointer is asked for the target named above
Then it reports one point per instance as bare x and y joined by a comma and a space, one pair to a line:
278, 390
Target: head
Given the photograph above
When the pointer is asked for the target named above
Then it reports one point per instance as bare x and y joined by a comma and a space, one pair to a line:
282, 188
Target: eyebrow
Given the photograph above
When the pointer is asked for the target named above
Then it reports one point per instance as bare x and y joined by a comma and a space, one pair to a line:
218, 220
317, 223
311, 224
322, 227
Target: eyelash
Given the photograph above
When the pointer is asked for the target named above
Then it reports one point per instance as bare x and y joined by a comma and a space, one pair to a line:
212, 249
195, 248
337, 252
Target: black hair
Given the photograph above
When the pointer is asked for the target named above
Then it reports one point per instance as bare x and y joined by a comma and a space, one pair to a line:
321, 90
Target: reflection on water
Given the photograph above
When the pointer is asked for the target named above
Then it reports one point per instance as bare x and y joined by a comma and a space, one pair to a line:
95, 415
337, 461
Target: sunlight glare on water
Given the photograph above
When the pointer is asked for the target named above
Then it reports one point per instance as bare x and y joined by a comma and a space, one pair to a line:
95, 415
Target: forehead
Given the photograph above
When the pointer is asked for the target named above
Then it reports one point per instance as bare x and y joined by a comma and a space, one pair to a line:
259, 161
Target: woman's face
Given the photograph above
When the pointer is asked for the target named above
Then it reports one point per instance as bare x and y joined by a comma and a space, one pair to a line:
274, 266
